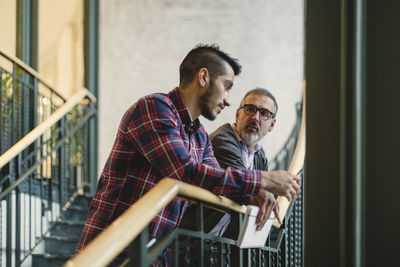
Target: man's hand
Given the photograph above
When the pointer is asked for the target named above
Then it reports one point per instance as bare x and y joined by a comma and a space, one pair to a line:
266, 203
281, 183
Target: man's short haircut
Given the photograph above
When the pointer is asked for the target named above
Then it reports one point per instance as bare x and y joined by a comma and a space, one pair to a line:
206, 56
261, 91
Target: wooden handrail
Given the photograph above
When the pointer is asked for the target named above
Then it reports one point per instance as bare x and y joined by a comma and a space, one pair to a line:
45, 125
296, 163
109, 243
29, 70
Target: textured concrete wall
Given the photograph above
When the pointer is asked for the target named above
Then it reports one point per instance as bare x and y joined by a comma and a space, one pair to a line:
142, 43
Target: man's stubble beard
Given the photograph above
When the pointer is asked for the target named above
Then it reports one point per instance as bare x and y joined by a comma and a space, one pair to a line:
204, 100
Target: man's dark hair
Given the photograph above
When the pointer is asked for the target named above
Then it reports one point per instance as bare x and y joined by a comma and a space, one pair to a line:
206, 56
261, 91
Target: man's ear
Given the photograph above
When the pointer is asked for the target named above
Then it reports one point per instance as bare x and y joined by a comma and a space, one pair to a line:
272, 125
237, 115
203, 77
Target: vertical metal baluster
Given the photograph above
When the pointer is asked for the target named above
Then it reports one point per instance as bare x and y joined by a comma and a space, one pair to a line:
9, 224
228, 258
237, 255
87, 159
34, 187
24, 222
2, 113
26, 107
9, 231
57, 174
18, 227
138, 250
62, 162
220, 254
285, 252
175, 245
50, 177
35, 102
302, 236
30, 217
41, 185
68, 149
18, 224
200, 228
13, 115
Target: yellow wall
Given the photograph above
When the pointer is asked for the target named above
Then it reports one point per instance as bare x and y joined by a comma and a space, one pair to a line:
61, 44
60, 41
8, 25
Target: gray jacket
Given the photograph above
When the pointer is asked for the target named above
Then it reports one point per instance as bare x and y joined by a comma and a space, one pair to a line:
228, 150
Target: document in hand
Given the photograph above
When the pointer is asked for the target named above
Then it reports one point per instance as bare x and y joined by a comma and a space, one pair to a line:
249, 237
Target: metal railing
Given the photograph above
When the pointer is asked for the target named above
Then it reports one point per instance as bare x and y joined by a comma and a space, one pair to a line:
128, 234
291, 249
26, 100
194, 247
44, 160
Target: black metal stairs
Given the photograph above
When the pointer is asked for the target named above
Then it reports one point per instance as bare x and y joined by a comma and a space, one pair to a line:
60, 244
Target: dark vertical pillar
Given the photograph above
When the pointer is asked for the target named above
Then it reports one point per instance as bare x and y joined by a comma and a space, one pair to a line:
330, 189
353, 133
382, 234
28, 31
27, 50
91, 79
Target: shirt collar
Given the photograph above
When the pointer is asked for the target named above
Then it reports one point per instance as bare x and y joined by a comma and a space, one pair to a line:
188, 123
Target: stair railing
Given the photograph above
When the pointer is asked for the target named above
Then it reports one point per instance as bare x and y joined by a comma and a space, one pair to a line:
31, 137
41, 170
130, 231
26, 99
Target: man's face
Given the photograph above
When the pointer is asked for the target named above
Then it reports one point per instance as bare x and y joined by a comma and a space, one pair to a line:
252, 128
216, 96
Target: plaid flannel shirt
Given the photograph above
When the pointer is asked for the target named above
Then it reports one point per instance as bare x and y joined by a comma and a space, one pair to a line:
157, 138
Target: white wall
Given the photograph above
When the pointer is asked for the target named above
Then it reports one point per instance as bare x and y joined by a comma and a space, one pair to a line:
142, 43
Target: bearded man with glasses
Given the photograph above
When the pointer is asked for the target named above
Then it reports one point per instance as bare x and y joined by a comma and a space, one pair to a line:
237, 145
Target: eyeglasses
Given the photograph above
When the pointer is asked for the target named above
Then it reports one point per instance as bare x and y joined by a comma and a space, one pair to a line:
250, 110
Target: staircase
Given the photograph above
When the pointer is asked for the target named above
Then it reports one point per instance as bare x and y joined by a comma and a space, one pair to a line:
46, 159
60, 244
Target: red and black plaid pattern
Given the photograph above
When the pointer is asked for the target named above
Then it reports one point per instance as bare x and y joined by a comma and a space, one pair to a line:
157, 138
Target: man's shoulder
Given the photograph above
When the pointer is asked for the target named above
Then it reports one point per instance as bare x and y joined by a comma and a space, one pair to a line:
224, 139
155, 99
224, 131
159, 102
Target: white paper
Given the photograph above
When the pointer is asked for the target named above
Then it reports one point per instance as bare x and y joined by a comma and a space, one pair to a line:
249, 237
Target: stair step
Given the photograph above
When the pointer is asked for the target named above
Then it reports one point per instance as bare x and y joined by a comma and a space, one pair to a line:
64, 234
67, 228
58, 245
49, 260
82, 201
75, 214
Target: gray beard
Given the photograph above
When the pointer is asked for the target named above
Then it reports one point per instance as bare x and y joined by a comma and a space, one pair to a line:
250, 139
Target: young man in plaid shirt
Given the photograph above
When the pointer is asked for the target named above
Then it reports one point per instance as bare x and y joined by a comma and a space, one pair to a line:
161, 136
